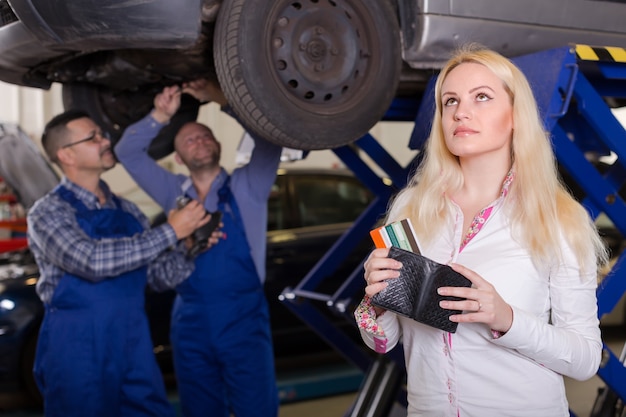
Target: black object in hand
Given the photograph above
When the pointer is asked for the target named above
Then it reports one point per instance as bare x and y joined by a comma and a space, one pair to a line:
200, 237
414, 293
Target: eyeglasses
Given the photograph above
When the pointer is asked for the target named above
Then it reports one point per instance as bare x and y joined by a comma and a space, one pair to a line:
95, 136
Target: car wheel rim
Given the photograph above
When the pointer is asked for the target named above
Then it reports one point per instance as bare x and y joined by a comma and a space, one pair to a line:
320, 54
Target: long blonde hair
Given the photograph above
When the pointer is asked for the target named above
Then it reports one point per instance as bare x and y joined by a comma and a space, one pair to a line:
539, 205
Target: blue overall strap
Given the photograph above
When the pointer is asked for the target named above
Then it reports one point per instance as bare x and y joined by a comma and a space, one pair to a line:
227, 202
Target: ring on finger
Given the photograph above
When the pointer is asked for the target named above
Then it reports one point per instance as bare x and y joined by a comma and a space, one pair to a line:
480, 306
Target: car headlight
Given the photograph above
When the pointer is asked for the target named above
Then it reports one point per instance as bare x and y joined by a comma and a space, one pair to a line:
6, 304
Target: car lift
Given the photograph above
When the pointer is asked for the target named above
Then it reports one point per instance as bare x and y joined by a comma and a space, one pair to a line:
572, 86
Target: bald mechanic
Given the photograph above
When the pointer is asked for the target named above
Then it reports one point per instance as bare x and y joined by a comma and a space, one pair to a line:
221, 336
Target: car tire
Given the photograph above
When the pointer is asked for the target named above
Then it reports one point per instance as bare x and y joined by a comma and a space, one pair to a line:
114, 111
308, 75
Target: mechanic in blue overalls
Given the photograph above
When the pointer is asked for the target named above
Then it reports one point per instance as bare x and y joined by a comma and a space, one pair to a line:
221, 337
95, 252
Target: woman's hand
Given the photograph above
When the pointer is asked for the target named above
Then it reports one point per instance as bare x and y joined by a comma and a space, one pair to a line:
482, 302
378, 267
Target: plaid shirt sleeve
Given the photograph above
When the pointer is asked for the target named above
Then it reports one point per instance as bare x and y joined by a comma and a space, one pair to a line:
171, 267
58, 240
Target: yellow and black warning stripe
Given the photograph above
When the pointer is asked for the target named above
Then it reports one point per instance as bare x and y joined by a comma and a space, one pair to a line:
601, 53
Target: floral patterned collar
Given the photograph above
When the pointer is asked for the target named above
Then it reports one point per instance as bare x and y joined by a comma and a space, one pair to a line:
484, 214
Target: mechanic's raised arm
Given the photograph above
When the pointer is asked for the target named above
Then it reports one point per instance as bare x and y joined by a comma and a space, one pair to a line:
260, 172
132, 149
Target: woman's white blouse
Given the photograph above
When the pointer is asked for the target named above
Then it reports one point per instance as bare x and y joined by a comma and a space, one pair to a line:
555, 332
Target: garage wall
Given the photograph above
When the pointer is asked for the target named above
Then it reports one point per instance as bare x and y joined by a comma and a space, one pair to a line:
28, 107
32, 108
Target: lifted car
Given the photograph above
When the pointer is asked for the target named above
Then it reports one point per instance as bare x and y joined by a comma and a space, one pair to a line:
307, 74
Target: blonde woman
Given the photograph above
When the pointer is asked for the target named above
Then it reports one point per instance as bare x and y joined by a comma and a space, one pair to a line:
488, 201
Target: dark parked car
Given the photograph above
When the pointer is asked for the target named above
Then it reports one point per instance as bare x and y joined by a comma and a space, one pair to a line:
308, 211
308, 74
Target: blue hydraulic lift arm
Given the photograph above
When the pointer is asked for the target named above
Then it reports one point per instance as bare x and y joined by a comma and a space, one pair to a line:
301, 299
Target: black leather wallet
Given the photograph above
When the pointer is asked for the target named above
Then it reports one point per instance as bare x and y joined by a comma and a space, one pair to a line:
414, 293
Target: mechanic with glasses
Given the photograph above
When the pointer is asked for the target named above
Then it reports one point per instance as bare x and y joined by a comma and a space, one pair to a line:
96, 252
